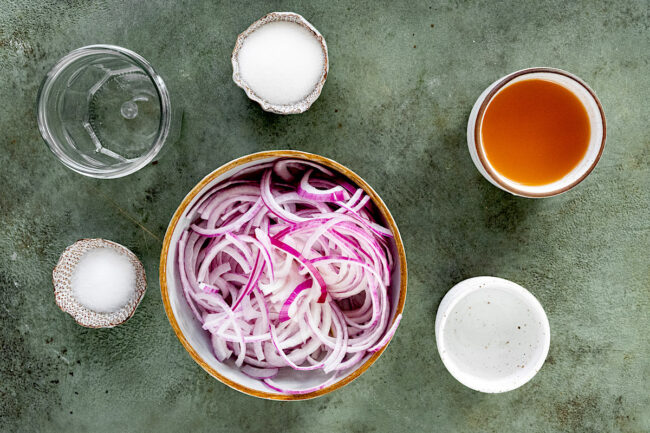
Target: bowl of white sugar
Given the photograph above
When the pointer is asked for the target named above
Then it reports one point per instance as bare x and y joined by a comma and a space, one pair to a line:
98, 282
281, 63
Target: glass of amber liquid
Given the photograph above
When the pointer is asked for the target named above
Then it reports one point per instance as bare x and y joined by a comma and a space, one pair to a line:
537, 132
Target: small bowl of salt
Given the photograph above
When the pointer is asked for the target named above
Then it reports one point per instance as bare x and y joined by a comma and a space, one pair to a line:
99, 283
281, 63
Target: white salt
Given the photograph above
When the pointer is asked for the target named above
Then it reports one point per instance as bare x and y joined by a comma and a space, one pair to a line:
282, 62
103, 280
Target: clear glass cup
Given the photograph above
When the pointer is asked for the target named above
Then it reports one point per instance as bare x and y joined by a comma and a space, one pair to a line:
104, 111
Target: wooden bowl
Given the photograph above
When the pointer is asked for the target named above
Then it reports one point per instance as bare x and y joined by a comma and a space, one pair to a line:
197, 341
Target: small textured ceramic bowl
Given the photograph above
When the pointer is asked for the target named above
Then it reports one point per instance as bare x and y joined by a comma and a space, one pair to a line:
197, 341
596, 143
300, 106
64, 296
492, 334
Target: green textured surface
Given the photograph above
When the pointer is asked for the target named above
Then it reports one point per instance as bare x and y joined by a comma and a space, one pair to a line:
402, 81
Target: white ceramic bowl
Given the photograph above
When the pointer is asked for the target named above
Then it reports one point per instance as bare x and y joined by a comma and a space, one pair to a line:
584, 167
196, 340
492, 334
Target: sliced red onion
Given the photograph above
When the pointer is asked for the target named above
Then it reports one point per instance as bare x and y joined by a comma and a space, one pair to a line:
232, 226
307, 191
288, 272
273, 207
303, 261
386, 338
259, 373
284, 311
281, 168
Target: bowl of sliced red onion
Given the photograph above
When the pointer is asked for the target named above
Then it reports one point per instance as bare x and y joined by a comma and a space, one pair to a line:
283, 274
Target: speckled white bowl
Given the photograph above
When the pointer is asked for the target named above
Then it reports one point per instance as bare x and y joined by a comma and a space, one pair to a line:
197, 341
298, 107
64, 296
492, 334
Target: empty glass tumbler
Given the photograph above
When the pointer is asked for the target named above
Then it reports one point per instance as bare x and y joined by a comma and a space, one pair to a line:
104, 111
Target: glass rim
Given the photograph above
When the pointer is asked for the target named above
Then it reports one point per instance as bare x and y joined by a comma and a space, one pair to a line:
55, 146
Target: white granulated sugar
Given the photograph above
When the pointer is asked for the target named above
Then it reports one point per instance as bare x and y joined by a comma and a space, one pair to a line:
103, 280
282, 62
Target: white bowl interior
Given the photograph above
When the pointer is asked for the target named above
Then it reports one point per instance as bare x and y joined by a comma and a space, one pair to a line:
492, 334
199, 339
595, 119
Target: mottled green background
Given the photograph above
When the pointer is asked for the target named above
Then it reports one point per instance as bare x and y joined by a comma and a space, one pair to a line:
403, 78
